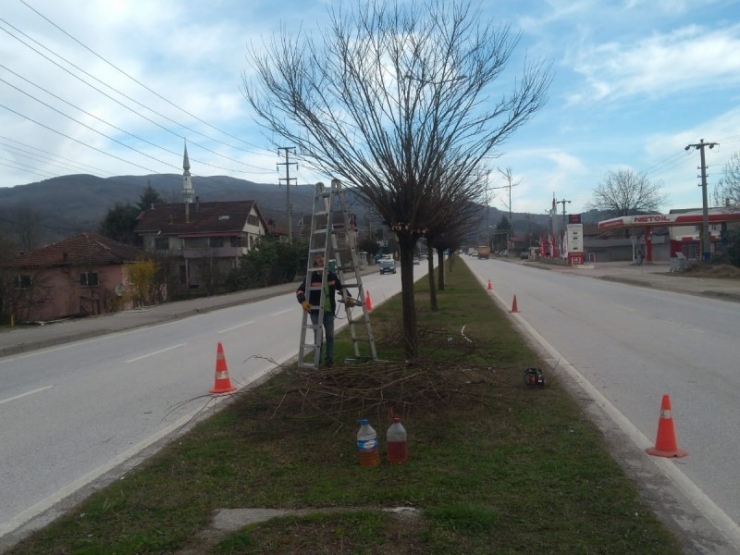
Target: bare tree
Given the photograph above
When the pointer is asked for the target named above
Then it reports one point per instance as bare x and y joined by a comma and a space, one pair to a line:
391, 97
625, 192
727, 191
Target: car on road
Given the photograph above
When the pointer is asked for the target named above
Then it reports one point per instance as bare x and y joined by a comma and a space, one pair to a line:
387, 266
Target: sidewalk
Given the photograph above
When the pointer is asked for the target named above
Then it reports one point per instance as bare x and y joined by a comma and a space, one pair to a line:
655, 275
24, 339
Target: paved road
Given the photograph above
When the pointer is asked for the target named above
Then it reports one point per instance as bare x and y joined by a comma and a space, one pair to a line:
24, 339
623, 347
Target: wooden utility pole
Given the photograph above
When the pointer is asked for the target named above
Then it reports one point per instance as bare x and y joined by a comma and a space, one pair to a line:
288, 207
706, 239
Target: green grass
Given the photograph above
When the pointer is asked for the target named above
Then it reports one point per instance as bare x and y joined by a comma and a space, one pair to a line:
494, 466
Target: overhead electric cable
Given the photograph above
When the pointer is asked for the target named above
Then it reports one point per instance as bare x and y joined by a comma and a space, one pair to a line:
136, 80
49, 158
76, 140
87, 126
125, 96
105, 122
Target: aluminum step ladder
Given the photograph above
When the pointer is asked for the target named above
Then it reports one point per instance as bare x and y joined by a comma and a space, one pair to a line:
332, 236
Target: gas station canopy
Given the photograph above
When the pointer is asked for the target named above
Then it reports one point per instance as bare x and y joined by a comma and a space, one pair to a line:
686, 218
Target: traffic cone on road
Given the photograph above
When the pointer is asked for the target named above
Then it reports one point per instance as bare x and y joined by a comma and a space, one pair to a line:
665, 444
368, 302
489, 285
513, 306
223, 383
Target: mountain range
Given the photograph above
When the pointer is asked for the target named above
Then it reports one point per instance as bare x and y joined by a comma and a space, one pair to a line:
64, 206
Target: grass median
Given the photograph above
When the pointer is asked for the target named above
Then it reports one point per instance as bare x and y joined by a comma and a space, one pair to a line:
494, 466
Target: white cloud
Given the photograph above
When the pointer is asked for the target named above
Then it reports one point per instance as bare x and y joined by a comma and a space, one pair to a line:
689, 58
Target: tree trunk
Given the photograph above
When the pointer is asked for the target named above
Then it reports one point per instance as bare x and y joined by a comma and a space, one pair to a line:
407, 244
430, 276
441, 269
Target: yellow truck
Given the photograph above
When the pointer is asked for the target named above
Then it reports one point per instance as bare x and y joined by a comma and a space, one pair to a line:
483, 251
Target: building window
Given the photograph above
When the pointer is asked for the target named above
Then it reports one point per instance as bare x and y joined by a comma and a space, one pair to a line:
162, 243
253, 220
217, 242
89, 278
22, 282
235, 241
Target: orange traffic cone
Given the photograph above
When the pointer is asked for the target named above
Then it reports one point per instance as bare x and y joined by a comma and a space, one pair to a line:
665, 444
513, 305
489, 285
368, 302
223, 383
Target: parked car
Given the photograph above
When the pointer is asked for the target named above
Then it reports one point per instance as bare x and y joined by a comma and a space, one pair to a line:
524, 255
387, 266
417, 261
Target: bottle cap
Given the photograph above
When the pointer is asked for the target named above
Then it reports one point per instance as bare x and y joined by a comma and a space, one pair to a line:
396, 420
364, 421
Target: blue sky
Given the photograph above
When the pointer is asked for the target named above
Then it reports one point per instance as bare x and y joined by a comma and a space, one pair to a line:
634, 83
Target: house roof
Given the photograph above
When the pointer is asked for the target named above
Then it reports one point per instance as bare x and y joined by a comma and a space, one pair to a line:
204, 217
85, 249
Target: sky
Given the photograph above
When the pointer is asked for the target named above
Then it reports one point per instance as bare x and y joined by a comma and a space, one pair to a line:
116, 87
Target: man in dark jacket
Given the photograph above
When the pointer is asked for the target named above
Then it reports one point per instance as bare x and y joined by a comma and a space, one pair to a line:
311, 304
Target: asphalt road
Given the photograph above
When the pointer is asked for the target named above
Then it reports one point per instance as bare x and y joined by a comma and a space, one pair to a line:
81, 404
29, 381
624, 347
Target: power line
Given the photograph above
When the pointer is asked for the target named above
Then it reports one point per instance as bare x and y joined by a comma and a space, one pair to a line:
125, 96
100, 120
136, 80
76, 140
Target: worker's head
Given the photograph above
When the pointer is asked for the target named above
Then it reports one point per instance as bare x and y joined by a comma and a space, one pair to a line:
318, 260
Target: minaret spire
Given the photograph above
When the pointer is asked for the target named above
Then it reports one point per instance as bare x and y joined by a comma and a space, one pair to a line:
188, 193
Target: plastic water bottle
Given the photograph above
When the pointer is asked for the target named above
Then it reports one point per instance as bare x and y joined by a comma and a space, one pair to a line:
396, 442
367, 444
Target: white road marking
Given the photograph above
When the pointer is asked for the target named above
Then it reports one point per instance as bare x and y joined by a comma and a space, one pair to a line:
237, 326
281, 312
26, 394
157, 352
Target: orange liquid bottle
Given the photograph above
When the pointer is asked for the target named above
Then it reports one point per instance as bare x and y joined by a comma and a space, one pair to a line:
397, 451
367, 444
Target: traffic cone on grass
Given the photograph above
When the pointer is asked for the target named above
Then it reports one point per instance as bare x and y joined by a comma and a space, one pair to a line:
368, 302
223, 383
513, 306
665, 444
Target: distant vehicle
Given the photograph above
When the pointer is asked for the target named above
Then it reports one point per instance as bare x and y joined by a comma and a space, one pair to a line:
387, 266
483, 252
524, 255
417, 261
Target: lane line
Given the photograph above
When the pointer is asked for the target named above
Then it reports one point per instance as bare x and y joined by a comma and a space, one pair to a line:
156, 352
282, 312
237, 326
26, 394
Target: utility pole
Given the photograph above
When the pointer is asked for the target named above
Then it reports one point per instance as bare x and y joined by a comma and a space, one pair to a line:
508, 175
563, 201
705, 208
288, 207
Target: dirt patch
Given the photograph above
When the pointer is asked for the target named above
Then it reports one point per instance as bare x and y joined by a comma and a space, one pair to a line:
719, 271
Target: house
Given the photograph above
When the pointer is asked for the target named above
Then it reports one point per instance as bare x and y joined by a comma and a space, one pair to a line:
84, 275
204, 240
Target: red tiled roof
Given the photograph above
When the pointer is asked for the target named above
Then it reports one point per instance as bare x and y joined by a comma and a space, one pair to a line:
85, 249
204, 217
